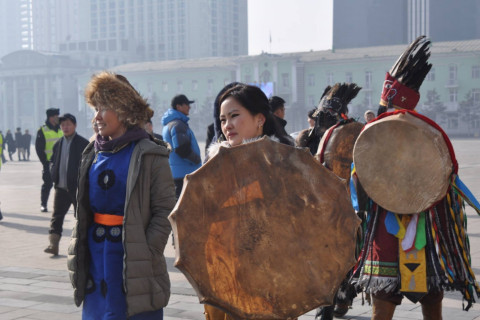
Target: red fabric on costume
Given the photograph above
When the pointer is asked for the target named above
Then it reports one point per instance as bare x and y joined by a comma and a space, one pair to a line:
402, 97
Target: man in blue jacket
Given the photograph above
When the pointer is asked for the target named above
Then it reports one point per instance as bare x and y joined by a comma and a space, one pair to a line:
185, 157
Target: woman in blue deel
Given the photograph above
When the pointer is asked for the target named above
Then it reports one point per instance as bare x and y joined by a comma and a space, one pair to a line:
125, 193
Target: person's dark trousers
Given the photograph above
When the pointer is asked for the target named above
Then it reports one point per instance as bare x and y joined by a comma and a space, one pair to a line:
46, 186
10, 154
178, 186
61, 203
27, 152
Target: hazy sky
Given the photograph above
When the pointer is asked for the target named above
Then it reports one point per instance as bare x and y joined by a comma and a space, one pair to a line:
295, 25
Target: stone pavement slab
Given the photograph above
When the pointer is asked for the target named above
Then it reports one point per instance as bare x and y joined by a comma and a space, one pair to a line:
34, 285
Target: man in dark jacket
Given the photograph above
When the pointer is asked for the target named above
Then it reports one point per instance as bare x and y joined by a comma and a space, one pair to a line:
12, 148
277, 105
19, 143
65, 161
27, 140
47, 135
185, 157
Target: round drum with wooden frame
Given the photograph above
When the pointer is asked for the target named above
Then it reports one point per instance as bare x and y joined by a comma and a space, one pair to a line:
263, 231
403, 162
335, 150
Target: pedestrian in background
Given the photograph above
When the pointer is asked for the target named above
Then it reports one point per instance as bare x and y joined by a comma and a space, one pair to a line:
307, 137
47, 135
10, 142
185, 157
65, 161
149, 129
277, 106
125, 194
19, 144
2, 146
27, 141
369, 116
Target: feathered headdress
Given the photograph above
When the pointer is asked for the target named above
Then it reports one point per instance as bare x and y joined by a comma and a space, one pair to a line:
403, 81
338, 97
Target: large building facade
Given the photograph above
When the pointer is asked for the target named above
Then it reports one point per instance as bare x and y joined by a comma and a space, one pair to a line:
388, 22
16, 26
31, 82
121, 31
105, 33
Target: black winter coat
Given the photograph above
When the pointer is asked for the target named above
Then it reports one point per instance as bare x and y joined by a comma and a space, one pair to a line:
77, 146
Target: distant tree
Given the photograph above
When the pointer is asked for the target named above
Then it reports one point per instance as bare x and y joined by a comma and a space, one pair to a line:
433, 106
469, 109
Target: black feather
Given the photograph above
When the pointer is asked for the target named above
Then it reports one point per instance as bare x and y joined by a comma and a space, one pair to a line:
412, 66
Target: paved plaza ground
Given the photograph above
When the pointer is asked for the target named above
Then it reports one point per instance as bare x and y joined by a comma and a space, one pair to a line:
35, 285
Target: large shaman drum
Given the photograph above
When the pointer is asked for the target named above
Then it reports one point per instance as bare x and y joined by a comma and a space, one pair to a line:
263, 231
403, 162
335, 150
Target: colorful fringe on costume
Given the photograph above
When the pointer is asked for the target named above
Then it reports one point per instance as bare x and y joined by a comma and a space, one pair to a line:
441, 231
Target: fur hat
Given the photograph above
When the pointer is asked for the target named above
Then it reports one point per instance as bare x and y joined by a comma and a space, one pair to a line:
112, 91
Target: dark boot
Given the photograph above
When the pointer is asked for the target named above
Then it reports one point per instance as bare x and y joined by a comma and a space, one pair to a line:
382, 309
54, 241
341, 309
324, 313
432, 311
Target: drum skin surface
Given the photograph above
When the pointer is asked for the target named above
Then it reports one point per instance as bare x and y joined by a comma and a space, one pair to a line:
337, 148
403, 163
263, 231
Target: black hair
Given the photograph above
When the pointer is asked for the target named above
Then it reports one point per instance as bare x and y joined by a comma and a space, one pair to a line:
276, 103
217, 127
255, 101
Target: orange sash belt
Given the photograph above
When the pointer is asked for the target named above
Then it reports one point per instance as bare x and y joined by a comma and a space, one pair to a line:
108, 219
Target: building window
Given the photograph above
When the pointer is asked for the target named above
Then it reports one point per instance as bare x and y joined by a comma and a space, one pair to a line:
476, 72
368, 98
311, 101
431, 75
194, 85
452, 123
476, 97
330, 78
452, 73
285, 80
165, 86
248, 78
210, 87
179, 86
311, 80
368, 81
348, 77
453, 95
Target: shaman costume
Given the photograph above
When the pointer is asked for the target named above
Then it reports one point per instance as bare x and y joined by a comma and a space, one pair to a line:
335, 153
416, 247
310, 138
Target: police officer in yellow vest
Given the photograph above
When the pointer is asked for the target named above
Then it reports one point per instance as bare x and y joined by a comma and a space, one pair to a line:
47, 135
